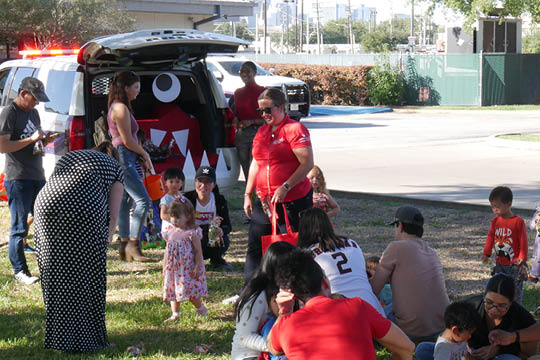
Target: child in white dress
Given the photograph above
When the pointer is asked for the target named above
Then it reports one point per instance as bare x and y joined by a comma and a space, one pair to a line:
184, 275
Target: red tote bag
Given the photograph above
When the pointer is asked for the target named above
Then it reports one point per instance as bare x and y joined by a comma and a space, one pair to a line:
289, 236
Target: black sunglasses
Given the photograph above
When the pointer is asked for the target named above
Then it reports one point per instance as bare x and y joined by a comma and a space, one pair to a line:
266, 110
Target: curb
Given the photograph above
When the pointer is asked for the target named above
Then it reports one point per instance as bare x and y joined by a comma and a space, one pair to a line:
414, 201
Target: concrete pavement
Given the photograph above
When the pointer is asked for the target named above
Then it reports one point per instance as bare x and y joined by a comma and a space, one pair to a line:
429, 154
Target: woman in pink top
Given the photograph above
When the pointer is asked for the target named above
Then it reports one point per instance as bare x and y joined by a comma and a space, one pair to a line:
124, 88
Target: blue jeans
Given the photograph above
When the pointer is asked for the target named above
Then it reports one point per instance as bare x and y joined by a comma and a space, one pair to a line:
425, 350
22, 195
133, 189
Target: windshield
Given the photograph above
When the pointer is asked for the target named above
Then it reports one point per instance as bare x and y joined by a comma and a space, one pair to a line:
233, 68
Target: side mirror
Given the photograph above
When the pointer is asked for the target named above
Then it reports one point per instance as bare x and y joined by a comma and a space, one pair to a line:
218, 75
271, 70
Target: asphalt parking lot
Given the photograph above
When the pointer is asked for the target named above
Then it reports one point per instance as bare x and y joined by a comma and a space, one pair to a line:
441, 155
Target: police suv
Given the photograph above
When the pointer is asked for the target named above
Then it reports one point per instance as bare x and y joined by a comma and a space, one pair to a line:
181, 106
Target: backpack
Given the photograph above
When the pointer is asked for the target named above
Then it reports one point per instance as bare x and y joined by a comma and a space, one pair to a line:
101, 129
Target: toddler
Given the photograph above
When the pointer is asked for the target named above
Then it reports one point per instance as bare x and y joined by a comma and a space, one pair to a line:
385, 296
183, 268
461, 320
321, 196
535, 266
174, 181
507, 238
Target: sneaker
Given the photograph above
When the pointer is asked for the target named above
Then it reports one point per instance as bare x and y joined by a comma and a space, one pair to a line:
25, 277
28, 249
230, 300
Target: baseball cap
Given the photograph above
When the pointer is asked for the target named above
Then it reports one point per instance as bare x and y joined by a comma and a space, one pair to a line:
34, 87
409, 215
206, 171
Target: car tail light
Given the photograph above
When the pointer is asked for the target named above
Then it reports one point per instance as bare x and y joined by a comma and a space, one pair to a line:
76, 134
230, 131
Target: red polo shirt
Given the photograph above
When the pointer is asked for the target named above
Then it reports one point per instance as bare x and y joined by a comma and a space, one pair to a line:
328, 329
245, 101
274, 154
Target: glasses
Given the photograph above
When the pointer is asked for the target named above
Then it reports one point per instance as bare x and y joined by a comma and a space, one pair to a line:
266, 110
500, 307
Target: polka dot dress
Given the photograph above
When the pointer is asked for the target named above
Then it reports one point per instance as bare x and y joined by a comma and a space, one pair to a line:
71, 231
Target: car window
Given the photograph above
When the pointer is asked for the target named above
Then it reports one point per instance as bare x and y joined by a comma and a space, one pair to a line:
20, 74
59, 89
3, 79
233, 68
211, 67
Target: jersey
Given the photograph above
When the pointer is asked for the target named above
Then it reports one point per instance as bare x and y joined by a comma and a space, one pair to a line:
345, 268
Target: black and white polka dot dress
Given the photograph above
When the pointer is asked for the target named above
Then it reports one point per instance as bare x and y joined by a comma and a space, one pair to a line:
71, 232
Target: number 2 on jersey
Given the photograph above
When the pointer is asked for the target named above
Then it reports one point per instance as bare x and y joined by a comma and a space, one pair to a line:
341, 262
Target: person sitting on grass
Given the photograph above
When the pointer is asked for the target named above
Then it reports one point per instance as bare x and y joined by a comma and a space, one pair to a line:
461, 320
326, 328
255, 305
212, 212
321, 196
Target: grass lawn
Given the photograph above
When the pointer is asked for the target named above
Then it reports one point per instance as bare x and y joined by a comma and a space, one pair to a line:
135, 311
521, 137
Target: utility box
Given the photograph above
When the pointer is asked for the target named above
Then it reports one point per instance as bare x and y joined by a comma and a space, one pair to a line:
458, 41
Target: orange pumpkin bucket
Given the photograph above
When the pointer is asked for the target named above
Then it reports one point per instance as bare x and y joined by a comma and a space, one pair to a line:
153, 186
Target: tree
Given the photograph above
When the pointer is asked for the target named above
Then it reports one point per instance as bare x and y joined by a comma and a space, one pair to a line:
241, 29
48, 23
386, 36
531, 43
473, 9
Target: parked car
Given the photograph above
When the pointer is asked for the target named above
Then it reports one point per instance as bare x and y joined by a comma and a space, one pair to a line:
227, 70
78, 86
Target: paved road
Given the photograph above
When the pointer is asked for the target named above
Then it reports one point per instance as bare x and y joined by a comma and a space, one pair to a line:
438, 155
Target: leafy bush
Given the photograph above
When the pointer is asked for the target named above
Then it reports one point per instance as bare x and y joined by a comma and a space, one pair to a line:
329, 85
385, 85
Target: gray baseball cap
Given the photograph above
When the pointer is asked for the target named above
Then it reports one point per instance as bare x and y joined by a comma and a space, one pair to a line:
34, 87
409, 215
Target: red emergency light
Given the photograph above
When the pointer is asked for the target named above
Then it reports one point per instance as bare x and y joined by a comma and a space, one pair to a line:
50, 52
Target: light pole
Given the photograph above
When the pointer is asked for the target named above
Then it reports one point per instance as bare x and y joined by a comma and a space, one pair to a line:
287, 22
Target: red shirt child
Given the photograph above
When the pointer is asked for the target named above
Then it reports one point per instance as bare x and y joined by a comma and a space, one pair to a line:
507, 234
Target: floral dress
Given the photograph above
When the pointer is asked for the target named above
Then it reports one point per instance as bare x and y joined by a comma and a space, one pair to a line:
179, 263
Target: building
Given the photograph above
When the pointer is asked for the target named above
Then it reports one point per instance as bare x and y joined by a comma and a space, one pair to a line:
191, 14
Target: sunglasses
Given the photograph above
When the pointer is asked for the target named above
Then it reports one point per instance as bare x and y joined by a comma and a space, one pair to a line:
266, 110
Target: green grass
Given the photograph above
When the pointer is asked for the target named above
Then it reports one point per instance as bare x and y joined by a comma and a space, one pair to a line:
521, 137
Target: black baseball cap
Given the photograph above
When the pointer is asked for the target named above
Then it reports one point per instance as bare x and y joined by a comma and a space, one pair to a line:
206, 171
408, 214
34, 87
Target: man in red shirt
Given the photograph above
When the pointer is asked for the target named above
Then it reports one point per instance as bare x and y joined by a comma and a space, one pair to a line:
326, 328
247, 120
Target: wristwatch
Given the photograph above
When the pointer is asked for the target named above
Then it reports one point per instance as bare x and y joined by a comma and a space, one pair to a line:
286, 186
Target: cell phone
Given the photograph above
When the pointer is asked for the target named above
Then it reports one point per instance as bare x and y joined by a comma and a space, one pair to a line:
53, 135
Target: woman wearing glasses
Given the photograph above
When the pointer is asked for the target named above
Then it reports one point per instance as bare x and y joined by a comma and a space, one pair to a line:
123, 127
282, 158
498, 311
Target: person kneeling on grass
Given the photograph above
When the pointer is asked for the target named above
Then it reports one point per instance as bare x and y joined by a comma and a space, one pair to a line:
212, 213
326, 328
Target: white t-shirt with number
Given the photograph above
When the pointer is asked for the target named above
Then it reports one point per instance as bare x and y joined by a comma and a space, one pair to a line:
447, 350
345, 268
203, 214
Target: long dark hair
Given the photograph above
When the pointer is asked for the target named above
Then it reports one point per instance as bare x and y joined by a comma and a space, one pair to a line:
107, 147
120, 80
263, 279
315, 228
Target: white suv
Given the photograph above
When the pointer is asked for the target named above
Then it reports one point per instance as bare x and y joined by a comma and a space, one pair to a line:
194, 127
227, 70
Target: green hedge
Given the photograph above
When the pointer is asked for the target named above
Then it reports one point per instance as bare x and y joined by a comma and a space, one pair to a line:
329, 85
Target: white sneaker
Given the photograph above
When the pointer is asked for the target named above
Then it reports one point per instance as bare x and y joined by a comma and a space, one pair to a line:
230, 300
25, 277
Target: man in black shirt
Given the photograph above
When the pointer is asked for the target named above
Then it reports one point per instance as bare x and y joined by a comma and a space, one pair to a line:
20, 129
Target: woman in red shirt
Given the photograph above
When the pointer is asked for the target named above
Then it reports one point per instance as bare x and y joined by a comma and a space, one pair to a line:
282, 157
247, 120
